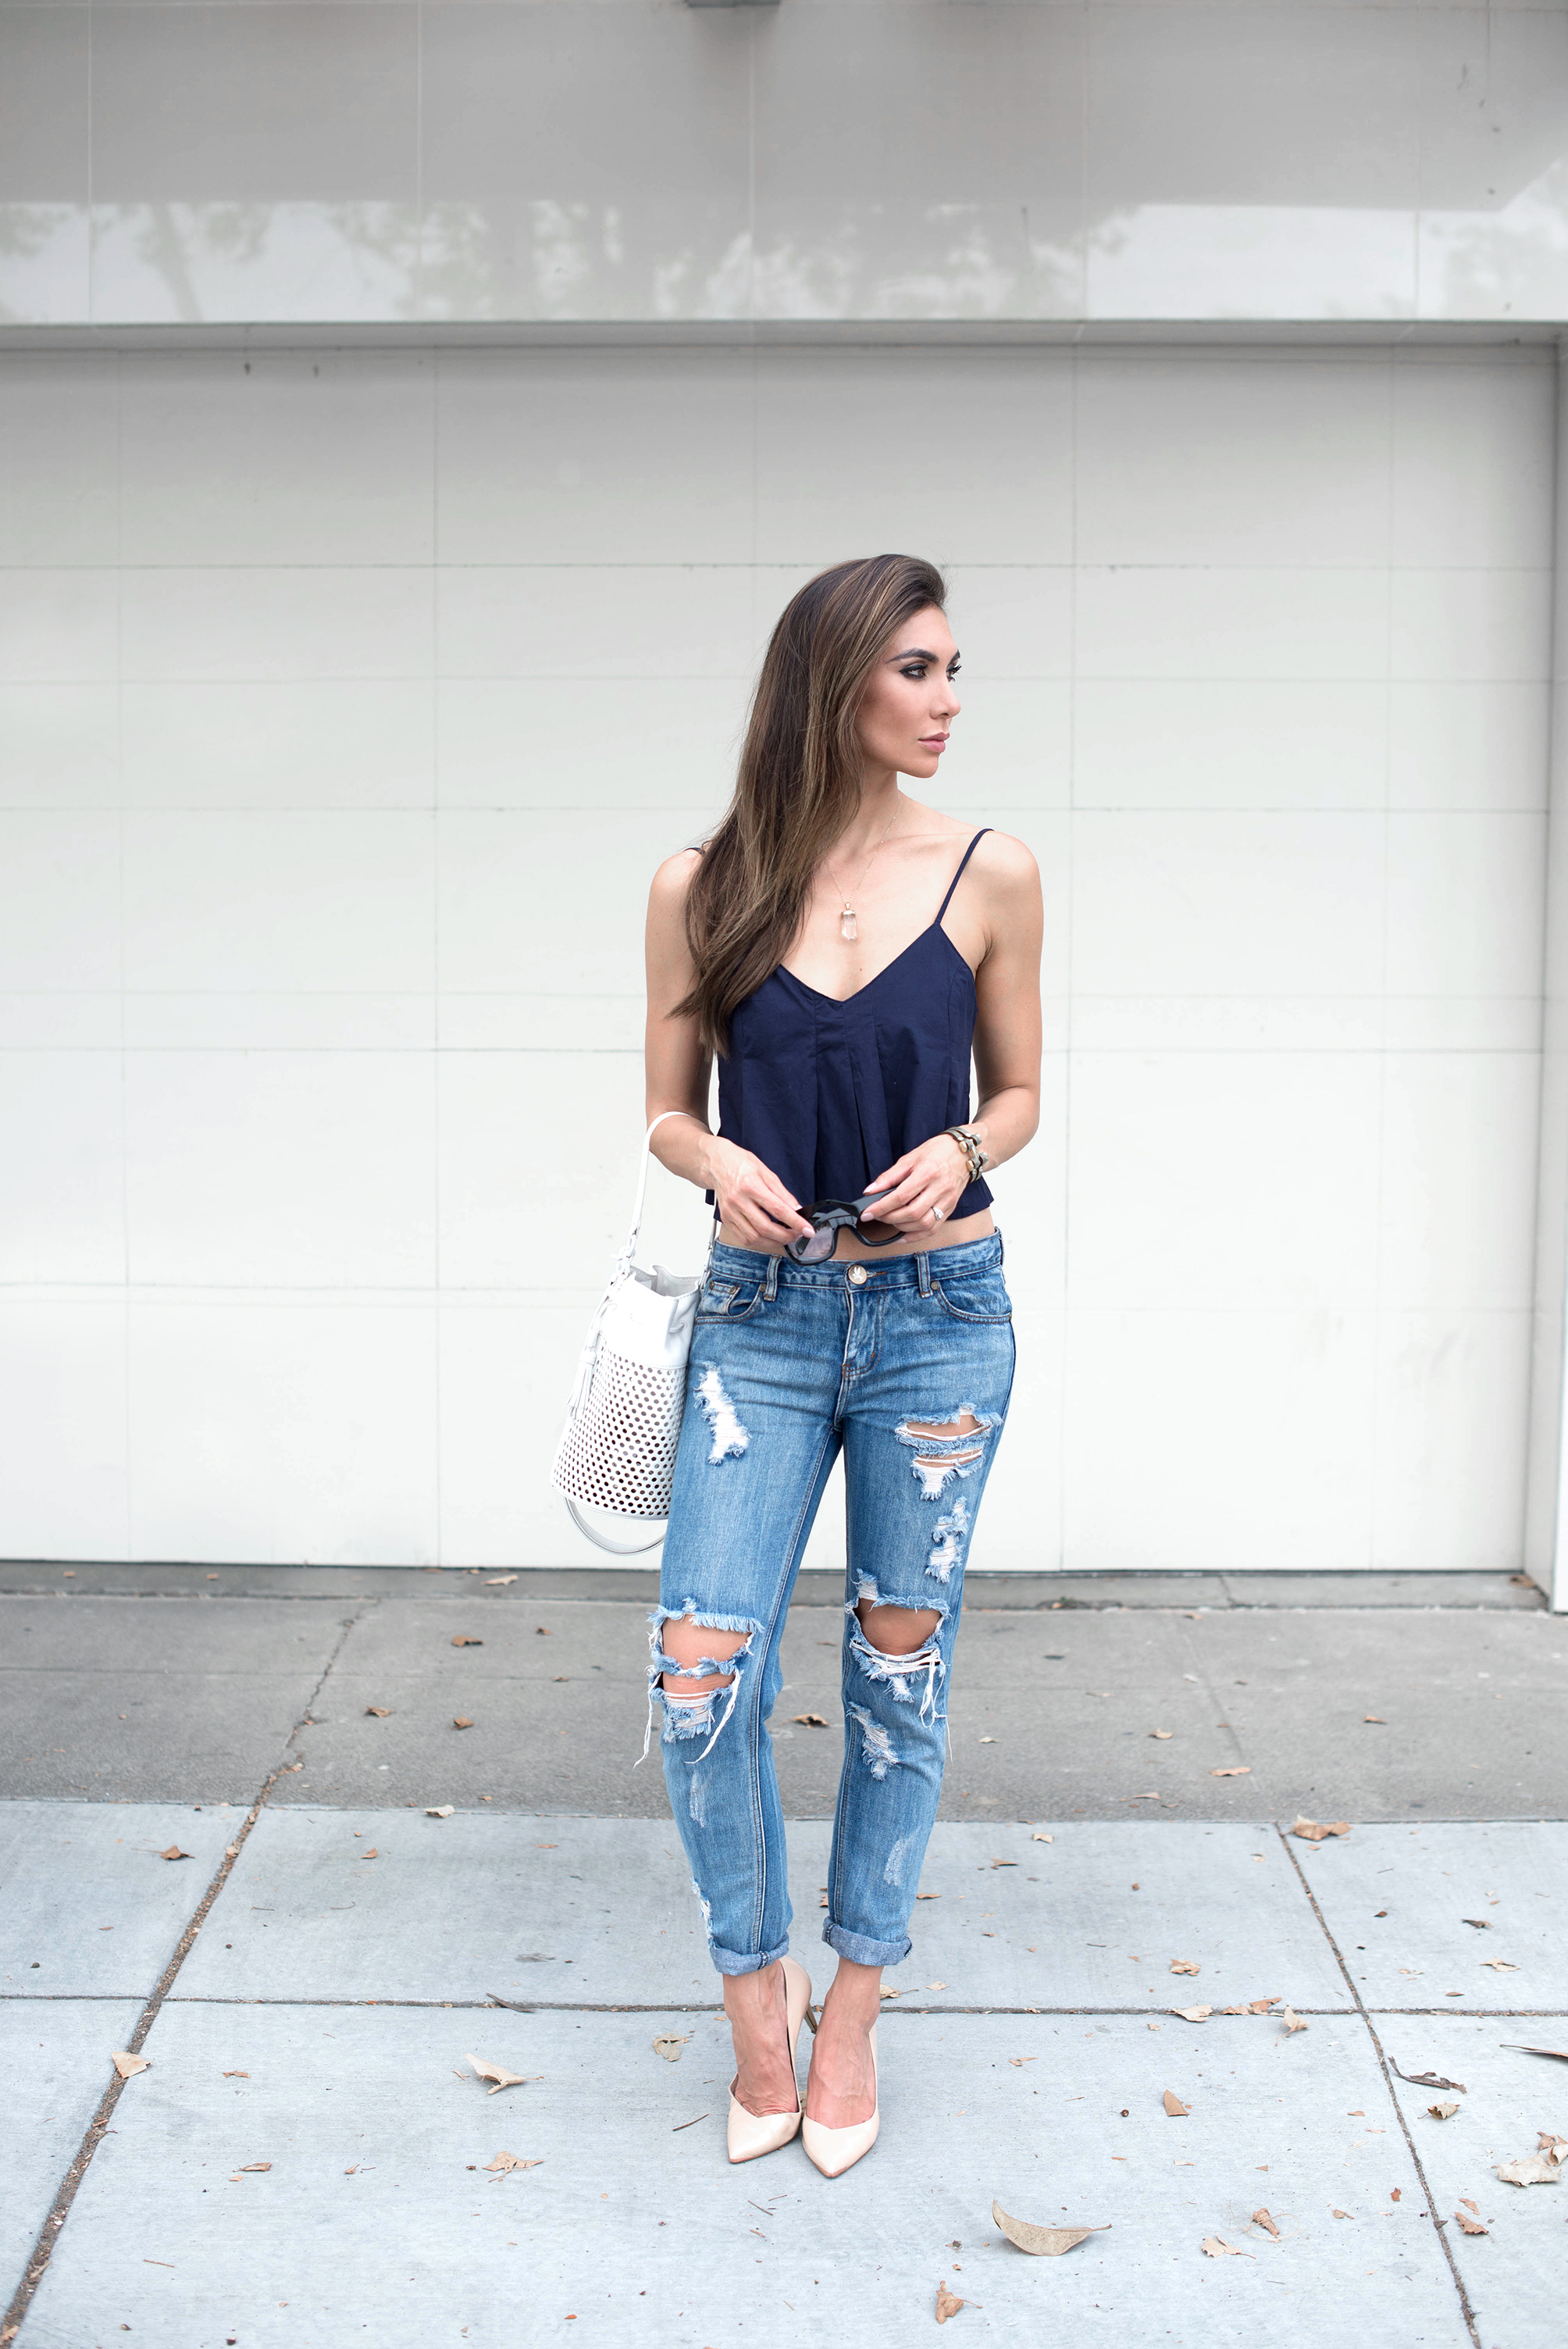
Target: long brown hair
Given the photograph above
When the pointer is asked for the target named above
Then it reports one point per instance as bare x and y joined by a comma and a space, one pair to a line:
798, 782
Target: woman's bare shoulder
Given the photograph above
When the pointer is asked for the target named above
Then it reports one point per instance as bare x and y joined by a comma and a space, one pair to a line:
1004, 860
671, 881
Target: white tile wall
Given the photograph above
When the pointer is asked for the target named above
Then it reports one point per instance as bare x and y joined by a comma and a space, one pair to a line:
897, 159
64, 1440
284, 1430
348, 701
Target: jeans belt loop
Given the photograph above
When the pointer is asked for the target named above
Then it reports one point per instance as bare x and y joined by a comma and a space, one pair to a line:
770, 1285
922, 1272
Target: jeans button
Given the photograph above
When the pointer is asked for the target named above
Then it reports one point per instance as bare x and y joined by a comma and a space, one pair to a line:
858, 1274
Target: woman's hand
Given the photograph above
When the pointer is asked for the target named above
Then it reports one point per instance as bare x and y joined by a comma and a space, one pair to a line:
934, 1176
752, 1202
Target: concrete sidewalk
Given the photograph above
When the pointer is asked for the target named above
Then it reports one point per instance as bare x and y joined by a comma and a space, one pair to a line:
305, 2005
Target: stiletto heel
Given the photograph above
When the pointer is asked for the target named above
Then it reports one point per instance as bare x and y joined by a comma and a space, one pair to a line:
751, 2135
834, 2151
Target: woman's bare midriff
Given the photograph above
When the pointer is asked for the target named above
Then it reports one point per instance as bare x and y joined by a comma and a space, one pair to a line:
941, 1235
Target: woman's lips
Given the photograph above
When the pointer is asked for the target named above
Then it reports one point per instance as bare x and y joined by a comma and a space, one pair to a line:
933, 741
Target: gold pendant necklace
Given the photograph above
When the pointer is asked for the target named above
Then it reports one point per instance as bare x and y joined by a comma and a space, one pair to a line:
849, 929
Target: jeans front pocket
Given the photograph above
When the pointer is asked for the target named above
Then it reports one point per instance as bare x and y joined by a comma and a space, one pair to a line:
973, 1296
728, 1300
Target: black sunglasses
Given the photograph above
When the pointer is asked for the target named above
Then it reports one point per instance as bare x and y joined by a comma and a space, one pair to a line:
828, 1218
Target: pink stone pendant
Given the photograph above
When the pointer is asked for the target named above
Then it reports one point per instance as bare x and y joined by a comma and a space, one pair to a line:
847, 929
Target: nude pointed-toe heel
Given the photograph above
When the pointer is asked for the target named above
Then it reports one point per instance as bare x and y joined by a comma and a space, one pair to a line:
834, 2151
751, 2135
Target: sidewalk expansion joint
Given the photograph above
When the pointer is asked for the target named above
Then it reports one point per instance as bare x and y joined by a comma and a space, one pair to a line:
92, 2137
1367, 2013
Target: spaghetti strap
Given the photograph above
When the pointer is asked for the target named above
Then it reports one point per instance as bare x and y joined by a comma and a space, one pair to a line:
959, 874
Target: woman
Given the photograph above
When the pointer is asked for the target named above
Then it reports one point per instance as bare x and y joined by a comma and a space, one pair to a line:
842, 949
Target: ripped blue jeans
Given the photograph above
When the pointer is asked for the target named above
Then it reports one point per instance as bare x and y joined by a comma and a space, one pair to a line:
791, 1364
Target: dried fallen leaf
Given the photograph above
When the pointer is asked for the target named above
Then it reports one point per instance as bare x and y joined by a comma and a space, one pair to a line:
1237, 1770
1517, 2047
947, 2302
174, 1852
1471, 2225
1469, 2205
1193, 2013
439, 1810
669, 2044
1174, 2105
1554, 2147
231, 1851
1443, 2112
1185, 1966
371, 1854
1261, 2219
1341, 2214
381, 1711
1529, 2169
1042, 1838
499, 2074
937, 1985
1260, 2005
1218, 2248
1377, 1719
507, 2162
809, 1719
128, 2065
1019, 2060
461, 1721
1500, 1965
465, 1640
1292, 2021
245, 2166
1314, 1830
1430, 2080
541, 1634
236, 2075
494, 1581
887, 1991
1162, 1733
1044, 2243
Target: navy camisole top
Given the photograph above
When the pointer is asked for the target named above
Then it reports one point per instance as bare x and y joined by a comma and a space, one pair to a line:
828, 1095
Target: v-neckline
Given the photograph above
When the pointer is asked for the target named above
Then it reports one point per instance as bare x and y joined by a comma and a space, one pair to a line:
842, 999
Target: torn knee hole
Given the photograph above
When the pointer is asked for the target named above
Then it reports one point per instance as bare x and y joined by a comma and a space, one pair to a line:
895, 1629
689, 1685
685, 1646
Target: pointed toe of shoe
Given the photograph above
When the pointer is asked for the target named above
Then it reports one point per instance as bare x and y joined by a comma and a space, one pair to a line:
834, 2151
751, 2135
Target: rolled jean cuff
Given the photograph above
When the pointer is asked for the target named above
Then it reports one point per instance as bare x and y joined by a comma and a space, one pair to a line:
861, 1952
736, 1962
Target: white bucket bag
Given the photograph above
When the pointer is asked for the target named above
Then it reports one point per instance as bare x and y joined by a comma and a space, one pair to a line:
617, 1452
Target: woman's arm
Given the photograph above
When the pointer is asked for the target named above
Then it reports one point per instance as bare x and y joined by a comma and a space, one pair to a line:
1006, 1043
753, 1205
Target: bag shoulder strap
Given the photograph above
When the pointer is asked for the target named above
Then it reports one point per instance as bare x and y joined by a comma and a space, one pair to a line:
630, 1248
